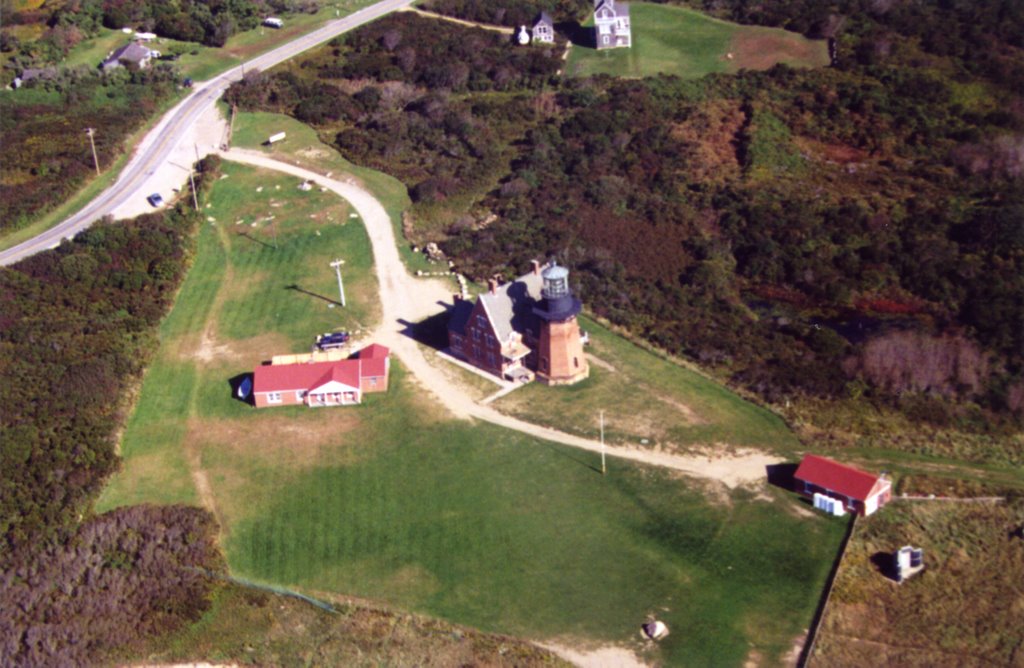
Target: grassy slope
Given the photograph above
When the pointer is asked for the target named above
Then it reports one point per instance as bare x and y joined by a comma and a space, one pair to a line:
248, 626
303, 147
468, 522
674, 40
647, 397
964, 609
241, 283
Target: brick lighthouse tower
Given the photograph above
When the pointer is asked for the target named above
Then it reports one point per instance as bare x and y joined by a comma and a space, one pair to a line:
560, 359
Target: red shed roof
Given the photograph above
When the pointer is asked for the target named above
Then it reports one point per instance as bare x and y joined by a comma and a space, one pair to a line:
836, 477
374, 351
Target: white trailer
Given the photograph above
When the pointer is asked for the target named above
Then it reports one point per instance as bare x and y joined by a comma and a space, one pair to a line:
272, 139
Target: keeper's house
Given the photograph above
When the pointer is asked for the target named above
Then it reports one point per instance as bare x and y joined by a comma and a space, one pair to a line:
859, 491
314, 384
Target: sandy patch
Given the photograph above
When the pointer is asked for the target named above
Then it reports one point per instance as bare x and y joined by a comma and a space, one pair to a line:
598, 362
791, 657
602, 657
276, 440
688, 414
761, 50
203, 137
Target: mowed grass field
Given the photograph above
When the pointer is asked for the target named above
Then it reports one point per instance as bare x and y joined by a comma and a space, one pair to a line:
394, 502
964, 609
648, 398
259, 287
688, 44
303, 147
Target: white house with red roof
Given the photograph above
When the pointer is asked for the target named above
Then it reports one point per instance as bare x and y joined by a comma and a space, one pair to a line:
859, 491
336, 383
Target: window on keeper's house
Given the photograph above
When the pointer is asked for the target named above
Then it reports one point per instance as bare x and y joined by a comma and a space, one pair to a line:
274, 398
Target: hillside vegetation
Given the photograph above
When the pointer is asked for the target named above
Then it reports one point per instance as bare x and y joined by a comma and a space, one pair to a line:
843, 241
963, 609
76, 331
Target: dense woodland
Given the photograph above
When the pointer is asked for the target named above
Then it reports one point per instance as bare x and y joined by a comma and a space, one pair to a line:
77, 328
39, 175
849, 234
209, 22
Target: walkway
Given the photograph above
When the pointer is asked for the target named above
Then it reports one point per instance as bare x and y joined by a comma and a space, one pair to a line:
405, 299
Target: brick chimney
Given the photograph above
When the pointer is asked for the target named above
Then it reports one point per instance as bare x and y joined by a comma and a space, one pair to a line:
536, 267
492, 285
456, 297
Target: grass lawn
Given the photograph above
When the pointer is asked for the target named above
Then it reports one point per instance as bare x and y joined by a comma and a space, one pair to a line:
963, 609
303, 147
237, 308
645, 396
463, 521
686, 43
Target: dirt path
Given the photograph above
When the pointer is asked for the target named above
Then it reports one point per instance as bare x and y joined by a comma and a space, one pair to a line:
406, 299
451, 19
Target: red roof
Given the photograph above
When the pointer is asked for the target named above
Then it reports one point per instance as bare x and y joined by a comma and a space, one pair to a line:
836, 477
372, 361
374, 351
304, 376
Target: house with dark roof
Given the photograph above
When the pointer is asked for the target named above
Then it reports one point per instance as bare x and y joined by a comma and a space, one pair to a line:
859, 491
543, 29
133, 53
611, 25
316, 384
522, 329
34, 74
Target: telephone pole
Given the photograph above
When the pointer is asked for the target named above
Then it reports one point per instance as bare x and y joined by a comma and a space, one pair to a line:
341, 286
95, 160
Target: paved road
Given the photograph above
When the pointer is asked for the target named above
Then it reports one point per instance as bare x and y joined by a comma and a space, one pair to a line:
407, 299
158, 144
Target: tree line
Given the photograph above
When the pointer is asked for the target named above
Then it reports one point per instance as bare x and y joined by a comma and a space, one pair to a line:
77, 329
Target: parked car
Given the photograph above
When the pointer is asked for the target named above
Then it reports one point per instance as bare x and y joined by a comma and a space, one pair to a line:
331, 340
155, 199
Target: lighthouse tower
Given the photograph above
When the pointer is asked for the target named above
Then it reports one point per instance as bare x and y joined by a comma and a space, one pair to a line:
560, 359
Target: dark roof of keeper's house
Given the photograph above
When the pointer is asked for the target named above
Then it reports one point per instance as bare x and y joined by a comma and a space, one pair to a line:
133, 52
836, 477
510, 308
543, 17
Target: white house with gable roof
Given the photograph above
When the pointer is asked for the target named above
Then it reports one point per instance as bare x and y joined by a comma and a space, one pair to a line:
611, 24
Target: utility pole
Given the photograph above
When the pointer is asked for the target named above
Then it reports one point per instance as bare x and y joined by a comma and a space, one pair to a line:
95, 160
191, 180
604, 469
341, 287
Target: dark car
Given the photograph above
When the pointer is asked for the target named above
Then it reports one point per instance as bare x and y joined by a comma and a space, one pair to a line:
155, 199
331, 340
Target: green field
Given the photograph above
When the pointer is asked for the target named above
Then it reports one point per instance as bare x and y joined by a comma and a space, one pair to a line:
674, 40
647, 397
237, 308
391, 501
303, 147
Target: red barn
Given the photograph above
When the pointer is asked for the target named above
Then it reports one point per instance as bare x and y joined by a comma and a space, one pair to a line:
859, 491
338, 383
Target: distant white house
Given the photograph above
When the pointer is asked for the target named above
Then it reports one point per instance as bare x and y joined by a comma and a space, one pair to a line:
543, 29
273, 22
145, 36
134, 53
611, 24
